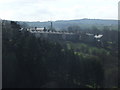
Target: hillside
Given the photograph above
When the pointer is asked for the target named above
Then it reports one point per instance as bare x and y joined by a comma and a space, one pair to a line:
83, 23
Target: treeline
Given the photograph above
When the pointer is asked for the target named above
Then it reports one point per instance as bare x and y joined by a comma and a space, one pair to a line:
30, 62
109, 40
107, 32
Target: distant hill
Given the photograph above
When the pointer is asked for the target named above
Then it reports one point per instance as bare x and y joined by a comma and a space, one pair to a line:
83, 23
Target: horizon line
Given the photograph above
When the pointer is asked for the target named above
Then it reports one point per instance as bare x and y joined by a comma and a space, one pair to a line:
58, 20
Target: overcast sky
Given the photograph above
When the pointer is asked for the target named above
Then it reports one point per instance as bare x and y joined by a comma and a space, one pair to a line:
46, 10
